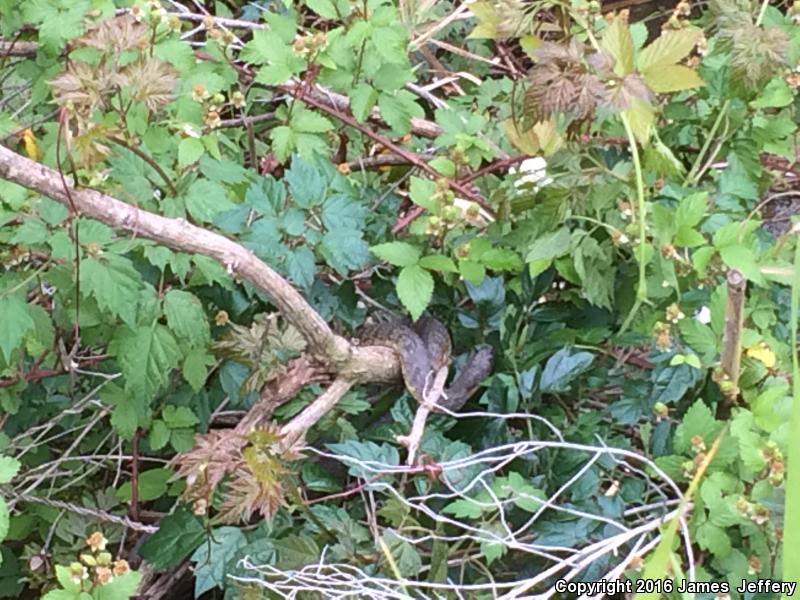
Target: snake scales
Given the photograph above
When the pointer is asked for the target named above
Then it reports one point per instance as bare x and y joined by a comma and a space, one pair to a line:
425, 347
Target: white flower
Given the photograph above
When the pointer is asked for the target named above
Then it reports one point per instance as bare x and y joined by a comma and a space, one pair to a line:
533, 171
190, 130
472, 212
703, 315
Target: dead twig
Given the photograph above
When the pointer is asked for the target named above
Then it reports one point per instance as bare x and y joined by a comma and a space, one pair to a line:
732, 338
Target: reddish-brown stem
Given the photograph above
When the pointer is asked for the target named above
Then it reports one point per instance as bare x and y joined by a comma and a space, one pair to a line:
408, 155
134, 511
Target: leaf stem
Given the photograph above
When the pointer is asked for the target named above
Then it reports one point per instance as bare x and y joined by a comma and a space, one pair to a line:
693, 173
761, 12
641, 289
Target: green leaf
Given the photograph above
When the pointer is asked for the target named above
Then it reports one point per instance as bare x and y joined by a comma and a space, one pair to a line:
593, 263
31, 232
152, 485
464, 508
699, 337
124, 419
767, 407
189, 151
363, 98
64, 578
5, 519
405, 555
524, 495
206, 199
385, 454
659, 158
444, 166
9, 467
422, 193
501, 259
344, 250
212, 559
669, 48
324, 8
399, 254
307, 184
488, 21
296, 551
689, 238
415, 289
178, 535
562, 368
698, 421
306, 120
283, 141
114, 282
438, 262
776, 94
177, 53
546, 248
179, 416
642, 118
15, 323
671, 383
341, 211
713, 538
692, 209
269, 49
186, 318
65, 595
195, 366
301, 266
224, 171
147, 356
743, 259
397, 109
121, 587
472, 271
617, 41
283, 25
672, 78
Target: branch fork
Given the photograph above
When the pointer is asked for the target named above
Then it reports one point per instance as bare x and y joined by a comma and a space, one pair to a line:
347, 363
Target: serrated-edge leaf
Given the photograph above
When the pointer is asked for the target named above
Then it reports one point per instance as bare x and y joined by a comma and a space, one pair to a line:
617, 41
672, 78
669, 48
415, 289
399, 254
438, 262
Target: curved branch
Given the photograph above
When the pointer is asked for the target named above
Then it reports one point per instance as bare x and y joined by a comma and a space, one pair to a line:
294, 431
181, 235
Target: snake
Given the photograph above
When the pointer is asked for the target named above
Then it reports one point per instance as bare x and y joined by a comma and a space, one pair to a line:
423, 348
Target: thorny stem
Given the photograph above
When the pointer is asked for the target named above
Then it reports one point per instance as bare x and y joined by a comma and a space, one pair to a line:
641, 289
148, 159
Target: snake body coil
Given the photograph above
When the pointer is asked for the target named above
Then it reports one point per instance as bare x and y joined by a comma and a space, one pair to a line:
423, 349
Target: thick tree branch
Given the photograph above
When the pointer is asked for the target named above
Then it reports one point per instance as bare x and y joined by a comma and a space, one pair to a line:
353, 362
17, 48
